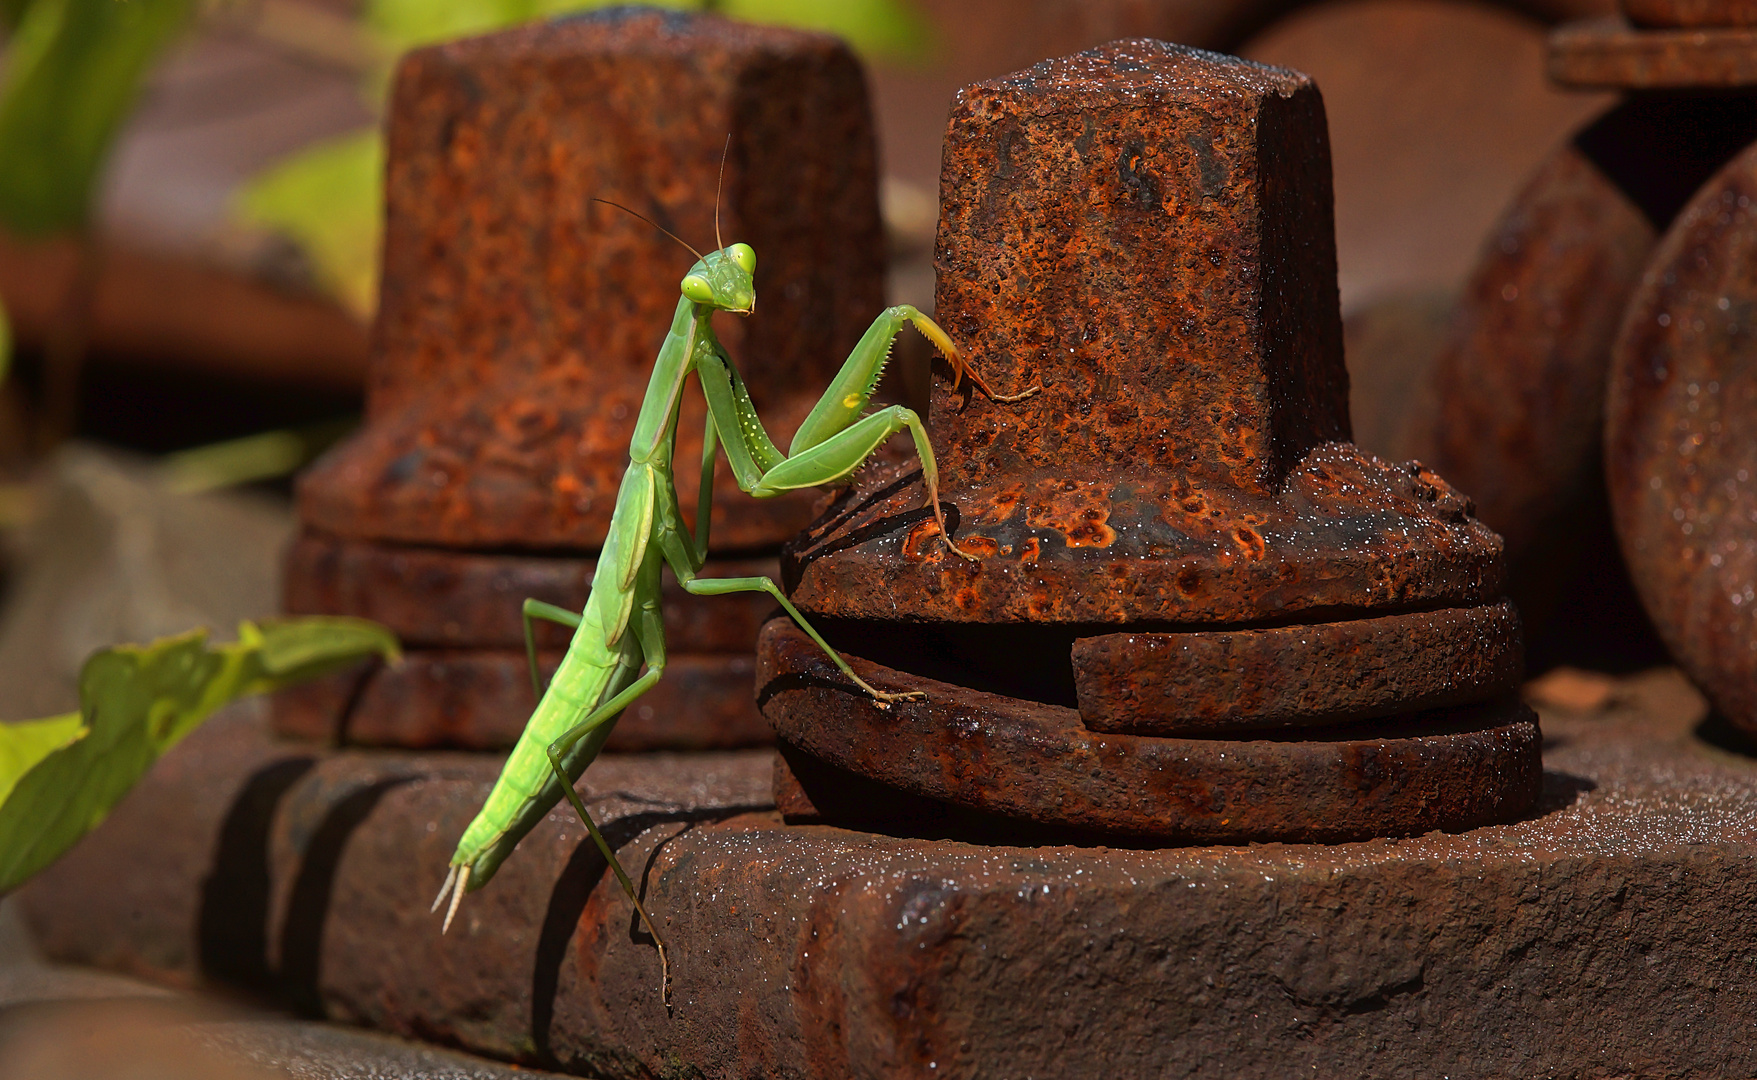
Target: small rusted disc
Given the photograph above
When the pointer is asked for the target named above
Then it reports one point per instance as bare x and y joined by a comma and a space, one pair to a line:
1449, 769
1681, 439
1308, 675
481, 700
431, 597
1607, 53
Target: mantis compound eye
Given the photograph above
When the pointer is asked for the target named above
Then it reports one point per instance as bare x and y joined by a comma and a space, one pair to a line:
744, 255
698, 289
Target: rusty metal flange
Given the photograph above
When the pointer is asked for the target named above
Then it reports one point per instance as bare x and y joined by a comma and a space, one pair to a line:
1220, 681
1680, 456
1450, 769
434, 598
1607, 53
480, 699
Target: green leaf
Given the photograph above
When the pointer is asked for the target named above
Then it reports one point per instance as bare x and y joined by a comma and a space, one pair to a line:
327, 199
72, 72
23, 745
136, 702
887, 28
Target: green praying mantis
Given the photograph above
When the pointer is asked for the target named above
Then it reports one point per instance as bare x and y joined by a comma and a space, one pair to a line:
620, 630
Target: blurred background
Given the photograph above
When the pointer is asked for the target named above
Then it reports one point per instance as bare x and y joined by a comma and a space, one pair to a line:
214, 274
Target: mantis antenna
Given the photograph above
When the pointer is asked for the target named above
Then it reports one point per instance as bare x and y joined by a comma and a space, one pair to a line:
718, 184
662, 228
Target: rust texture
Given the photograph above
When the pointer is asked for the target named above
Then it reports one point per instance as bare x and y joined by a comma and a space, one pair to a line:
1144, 230
1448, 769
479, 699
1144, 683
816, 951
434, 598
1693, 13
516, 335
1607, 53
519, 320
1680, 458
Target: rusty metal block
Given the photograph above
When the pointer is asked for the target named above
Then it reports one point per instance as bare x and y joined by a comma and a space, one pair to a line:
1606, 53
1208, 682
1145, 231
1680, 458
519, 320
818, 951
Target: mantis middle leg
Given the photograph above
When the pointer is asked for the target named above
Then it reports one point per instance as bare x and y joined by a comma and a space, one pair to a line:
537, 609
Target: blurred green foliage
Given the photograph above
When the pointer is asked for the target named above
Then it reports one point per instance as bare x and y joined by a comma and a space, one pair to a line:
326, 199
329, 198
60, 777
73, 69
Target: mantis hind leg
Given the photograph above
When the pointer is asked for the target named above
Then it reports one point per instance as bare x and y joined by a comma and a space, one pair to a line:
652, 637
537, 609
721, 586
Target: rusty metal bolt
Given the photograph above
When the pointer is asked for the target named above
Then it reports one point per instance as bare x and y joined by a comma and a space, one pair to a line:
1680, 456
1145, 230
517, 330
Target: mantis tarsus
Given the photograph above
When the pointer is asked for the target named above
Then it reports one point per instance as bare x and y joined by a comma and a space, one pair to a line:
620, 629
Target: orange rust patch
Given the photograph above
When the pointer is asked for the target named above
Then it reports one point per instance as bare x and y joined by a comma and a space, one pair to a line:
921, 543
1250, 541
1077, 509
981, 546
1029, 550
999, 508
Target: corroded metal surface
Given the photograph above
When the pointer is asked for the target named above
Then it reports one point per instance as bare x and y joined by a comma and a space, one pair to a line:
433, 598
479, 699
1608, 54
1680, 456
519, 320
1652, 13
816, 951
1144, 230
1449, 769
1345, 530
1204, 682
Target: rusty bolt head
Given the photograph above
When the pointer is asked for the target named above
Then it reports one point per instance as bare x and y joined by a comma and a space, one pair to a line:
1145, 230
519, 320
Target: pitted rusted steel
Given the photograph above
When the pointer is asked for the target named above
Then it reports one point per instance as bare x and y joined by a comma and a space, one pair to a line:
1680, 451
479, 699
1690, 13
1145, 683
1607, 53
1450, 769
519, 319
1145, 231
516, 335
439, 599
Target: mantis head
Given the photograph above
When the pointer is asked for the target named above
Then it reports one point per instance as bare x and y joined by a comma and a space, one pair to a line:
722, 279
